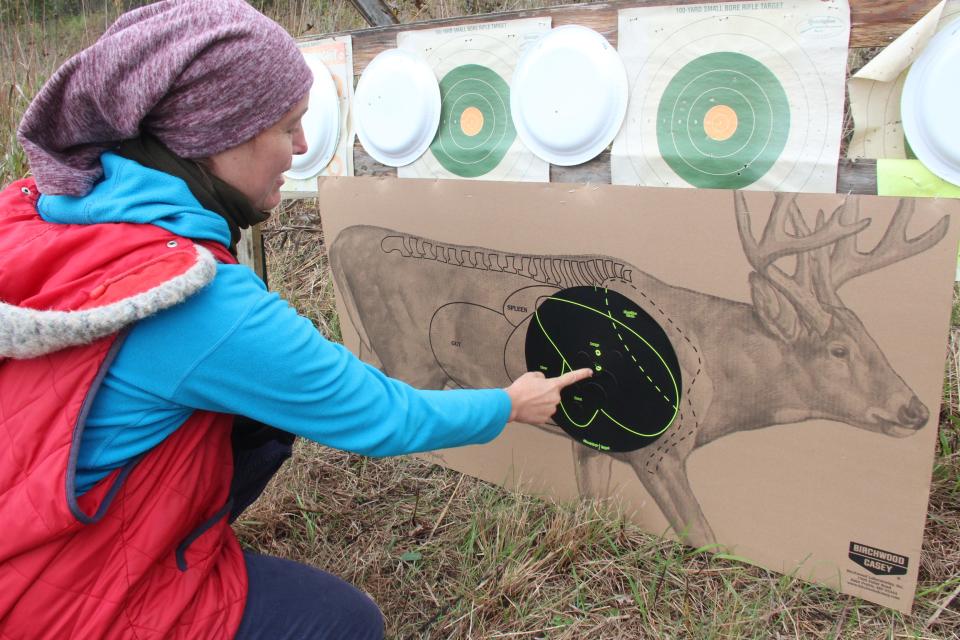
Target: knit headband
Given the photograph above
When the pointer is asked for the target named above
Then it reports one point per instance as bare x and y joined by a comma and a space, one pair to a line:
202, 76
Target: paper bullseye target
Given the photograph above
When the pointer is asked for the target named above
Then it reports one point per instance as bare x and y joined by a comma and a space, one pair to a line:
730, 101
475, 130
476, 137
722, 121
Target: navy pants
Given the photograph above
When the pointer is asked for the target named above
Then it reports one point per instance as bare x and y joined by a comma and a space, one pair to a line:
287, 600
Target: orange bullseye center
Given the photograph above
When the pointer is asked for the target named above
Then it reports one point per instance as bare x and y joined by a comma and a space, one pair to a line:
471, 121
720, 123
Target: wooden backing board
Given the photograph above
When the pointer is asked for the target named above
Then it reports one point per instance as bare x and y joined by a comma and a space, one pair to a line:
874, 24
250, 251
853, 176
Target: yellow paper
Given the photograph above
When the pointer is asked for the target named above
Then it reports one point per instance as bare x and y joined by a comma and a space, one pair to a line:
909, 178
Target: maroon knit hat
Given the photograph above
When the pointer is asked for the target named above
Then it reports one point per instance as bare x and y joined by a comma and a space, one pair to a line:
202, 76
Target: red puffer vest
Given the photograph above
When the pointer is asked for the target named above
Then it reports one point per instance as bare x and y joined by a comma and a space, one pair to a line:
147, 552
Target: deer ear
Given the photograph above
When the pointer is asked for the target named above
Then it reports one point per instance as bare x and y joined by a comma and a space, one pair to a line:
776, 312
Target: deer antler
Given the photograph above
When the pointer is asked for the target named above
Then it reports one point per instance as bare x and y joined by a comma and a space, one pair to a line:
846, 262
809, 247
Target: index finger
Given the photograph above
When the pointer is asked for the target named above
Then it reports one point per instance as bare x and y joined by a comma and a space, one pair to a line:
571, 377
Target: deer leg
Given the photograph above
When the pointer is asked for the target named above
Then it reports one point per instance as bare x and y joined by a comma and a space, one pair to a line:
593, 471
669, 487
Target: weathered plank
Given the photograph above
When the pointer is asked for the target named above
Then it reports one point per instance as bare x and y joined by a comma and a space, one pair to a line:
857, 176
250, 251
375, 12
596, 171
853, 176
874, 22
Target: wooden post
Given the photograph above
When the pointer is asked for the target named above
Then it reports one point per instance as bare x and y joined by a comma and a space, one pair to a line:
375, 12
250, 251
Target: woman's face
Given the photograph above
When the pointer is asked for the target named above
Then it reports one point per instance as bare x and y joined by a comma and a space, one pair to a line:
256, 167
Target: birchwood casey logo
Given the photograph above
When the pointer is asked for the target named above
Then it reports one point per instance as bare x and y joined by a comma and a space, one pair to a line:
878, 561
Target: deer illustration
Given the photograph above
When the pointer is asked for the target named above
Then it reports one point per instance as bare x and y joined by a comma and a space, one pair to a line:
441, 315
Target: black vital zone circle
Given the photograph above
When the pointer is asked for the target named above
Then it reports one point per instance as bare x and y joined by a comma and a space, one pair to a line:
634, 394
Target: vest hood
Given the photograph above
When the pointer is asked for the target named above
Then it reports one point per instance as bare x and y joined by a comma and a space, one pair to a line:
64, 285
131, 192
28, 333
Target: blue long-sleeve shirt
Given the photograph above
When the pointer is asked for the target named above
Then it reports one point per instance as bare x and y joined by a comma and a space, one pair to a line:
235, 347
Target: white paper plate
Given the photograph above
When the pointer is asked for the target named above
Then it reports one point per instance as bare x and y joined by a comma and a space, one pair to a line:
930, 98
397, 107
321, 124
568, 95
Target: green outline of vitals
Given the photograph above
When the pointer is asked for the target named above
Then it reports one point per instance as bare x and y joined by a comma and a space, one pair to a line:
565, 367
763, 114
472, 85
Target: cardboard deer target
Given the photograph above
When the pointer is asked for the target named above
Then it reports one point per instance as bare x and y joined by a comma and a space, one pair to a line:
684, 361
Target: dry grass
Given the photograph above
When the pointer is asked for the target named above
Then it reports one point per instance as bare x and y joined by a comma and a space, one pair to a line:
447, 556
30, 52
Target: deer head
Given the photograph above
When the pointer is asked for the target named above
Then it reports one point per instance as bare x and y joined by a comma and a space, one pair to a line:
837, 370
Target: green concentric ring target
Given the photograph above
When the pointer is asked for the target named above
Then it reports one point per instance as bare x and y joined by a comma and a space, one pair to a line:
723, 121
475, 129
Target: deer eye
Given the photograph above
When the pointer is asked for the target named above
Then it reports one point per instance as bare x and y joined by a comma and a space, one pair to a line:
838, 351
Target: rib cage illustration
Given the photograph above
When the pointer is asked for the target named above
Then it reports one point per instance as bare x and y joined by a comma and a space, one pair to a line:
559, 272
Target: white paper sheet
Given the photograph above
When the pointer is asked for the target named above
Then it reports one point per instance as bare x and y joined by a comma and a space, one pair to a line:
875, 90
